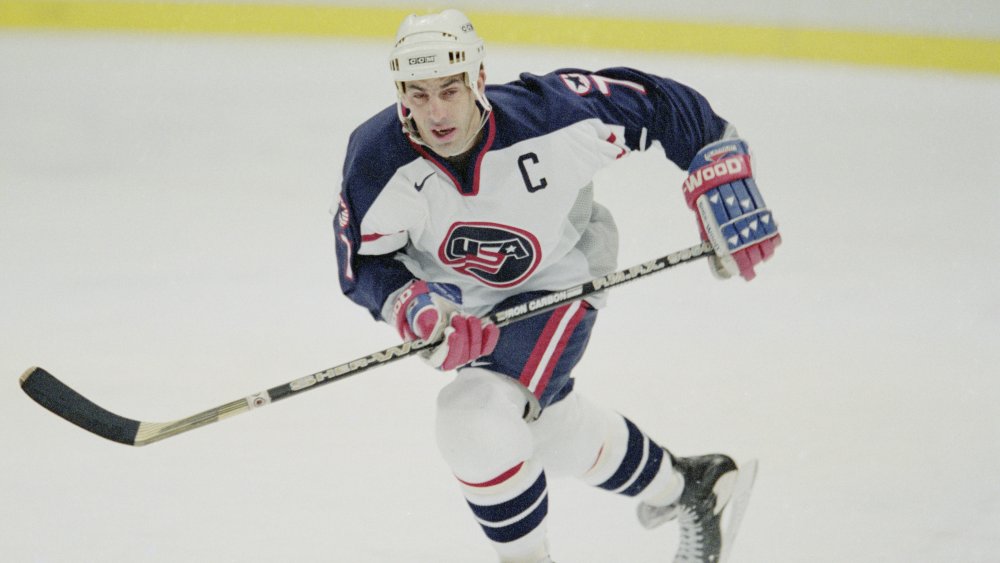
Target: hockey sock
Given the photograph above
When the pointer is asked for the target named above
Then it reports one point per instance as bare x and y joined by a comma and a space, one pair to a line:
511, 508
632, 464
486, 442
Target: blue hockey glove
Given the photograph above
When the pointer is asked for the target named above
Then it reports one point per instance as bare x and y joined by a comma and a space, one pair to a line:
732, 215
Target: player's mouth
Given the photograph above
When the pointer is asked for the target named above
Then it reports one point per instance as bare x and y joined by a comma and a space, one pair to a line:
445, 134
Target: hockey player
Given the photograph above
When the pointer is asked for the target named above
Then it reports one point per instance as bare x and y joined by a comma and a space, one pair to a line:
466, 198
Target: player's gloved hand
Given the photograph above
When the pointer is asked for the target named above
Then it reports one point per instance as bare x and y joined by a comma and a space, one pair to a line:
731, 213
428, 310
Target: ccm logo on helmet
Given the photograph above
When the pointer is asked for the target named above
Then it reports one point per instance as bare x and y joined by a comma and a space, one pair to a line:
496, 255
422, 60
722, 172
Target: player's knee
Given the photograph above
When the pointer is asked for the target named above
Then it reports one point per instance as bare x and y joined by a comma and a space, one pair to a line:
571, 434
480, 431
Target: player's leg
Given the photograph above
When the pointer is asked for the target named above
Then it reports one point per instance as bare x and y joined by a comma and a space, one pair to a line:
486, 442
604, 449
574, 436
483, 434
578, 438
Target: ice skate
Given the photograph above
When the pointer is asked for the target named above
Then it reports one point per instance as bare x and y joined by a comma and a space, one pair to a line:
651, 516
710, 507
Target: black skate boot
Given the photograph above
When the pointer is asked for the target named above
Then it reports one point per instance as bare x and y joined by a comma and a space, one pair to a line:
710, 507
708, 484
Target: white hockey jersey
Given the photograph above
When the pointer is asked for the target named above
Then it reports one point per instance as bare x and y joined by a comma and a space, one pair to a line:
521, 216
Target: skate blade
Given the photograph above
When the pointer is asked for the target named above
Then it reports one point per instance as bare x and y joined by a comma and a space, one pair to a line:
733, 511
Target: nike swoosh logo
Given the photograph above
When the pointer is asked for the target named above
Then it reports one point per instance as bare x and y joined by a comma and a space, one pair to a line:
420, 186
479, 364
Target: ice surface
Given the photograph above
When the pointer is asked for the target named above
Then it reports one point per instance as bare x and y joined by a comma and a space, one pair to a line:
165, 247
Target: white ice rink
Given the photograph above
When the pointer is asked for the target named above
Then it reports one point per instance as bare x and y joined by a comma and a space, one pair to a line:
165, 247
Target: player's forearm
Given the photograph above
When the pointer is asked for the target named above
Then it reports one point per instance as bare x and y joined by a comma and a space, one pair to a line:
376, 278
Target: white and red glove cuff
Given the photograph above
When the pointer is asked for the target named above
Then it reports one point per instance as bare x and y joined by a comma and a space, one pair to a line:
429, 311
421, 309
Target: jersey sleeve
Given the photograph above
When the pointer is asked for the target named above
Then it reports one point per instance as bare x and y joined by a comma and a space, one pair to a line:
368, 270
650, 108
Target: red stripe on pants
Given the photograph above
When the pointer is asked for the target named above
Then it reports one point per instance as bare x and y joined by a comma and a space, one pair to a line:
552, 331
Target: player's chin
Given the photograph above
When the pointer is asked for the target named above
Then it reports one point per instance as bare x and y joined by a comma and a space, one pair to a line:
444, 149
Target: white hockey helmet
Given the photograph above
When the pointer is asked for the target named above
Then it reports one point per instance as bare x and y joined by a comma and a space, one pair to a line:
436, 45
433, 46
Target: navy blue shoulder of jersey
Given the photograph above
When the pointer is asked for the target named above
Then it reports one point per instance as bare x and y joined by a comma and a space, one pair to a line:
677, 116
376, 150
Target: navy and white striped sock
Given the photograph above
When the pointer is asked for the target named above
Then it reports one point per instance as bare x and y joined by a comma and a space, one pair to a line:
511, 508
632, 464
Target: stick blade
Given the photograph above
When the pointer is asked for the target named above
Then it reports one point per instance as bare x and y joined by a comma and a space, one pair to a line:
59, 398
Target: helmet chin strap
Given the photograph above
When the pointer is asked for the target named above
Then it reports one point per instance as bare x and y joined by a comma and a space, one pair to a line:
484, 116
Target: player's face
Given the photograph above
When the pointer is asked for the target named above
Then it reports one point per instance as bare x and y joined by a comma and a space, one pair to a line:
445, 112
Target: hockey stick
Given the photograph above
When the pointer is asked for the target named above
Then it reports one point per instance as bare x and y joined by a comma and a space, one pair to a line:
59, 398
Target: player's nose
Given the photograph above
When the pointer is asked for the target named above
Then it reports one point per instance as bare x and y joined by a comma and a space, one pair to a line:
437, 111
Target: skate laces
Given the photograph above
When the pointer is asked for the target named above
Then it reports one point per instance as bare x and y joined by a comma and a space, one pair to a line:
692, 544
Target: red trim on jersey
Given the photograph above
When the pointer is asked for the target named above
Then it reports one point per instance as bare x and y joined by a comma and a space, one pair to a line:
490, 136
581, 89
343, 221
496, 480
611, 139
348, 270
375, 236
427, 155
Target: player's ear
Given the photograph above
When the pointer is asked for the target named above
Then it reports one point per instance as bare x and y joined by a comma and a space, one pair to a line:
481, 83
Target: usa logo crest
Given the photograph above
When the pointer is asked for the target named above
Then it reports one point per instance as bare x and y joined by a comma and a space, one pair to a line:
497, 255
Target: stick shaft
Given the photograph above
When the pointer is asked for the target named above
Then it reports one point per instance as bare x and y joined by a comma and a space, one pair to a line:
542, 304
62, 400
